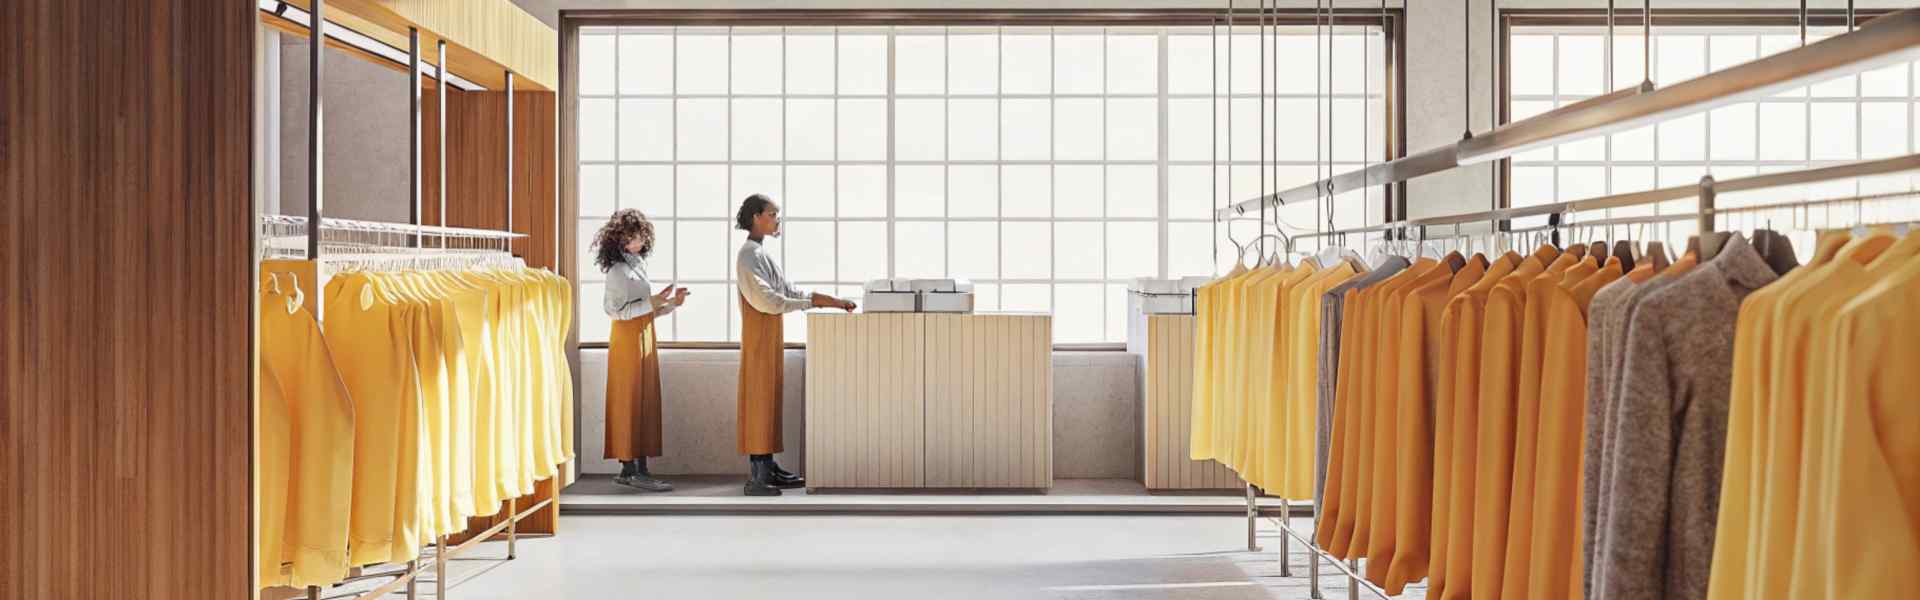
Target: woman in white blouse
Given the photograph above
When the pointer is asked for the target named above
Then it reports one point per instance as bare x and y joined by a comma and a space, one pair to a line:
633, 359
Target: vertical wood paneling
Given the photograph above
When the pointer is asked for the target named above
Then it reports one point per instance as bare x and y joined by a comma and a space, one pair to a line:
1169, 383
126, 299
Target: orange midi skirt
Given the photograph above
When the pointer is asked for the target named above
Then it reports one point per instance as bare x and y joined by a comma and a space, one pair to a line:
762, 341
633, 390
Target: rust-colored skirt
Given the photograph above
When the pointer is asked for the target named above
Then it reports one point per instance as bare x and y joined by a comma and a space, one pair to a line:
633, 390
762, 341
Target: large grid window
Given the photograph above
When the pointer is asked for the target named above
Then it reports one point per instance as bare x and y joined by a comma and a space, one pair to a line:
1049, 165
1843, 120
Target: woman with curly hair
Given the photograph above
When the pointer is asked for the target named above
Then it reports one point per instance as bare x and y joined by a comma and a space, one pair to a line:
633, 359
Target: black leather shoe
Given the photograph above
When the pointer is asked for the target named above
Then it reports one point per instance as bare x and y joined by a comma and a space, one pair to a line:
788, 482
761, 483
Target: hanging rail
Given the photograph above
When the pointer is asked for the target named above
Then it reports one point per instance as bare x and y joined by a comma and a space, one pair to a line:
1886, 40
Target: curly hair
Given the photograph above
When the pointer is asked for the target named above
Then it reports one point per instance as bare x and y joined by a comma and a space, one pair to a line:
750, 208
625, 225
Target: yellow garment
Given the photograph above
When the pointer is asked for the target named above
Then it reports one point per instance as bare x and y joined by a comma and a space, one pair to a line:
1742, 485
1378, 435
1555, 568
1259, 301
1456, 421
1514, 569
1266, 455
1500, 367
1868, 533
273, 466
1292, 439
321, 422
1421, 354
1209, 302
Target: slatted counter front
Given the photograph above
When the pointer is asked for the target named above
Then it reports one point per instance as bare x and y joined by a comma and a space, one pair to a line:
929, 401
1164, 344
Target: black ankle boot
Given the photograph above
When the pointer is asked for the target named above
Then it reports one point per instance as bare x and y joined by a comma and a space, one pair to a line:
760, 483
783, 479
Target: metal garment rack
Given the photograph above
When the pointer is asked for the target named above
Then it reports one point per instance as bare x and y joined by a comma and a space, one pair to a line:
1706, 191
375, 242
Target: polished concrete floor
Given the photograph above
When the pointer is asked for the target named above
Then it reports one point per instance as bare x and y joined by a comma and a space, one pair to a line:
840, 557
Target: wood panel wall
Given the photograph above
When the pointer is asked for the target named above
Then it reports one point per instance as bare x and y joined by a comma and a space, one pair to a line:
476, 197
1168, 358
126, 301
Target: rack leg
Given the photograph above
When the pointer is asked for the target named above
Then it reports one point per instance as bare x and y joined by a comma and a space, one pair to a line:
1313, 560
413, 585
440, 567
1286, 541
1353, 583
1253, 512
313, 592
513, 527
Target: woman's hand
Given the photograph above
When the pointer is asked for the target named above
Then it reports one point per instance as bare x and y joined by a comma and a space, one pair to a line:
666, 296
680, 296
824, 301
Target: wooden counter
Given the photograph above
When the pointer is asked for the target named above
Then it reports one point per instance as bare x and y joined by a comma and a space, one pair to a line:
913, 400
1164, 344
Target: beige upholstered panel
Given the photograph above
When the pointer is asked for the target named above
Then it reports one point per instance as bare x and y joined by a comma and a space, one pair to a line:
1168, 376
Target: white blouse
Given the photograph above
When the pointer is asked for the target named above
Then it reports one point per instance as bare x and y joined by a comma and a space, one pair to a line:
763, 284
629, 292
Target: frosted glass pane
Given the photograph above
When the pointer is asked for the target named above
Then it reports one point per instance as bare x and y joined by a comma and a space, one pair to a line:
1189, 251
1346, 131
1189, 64
660, 264
1293, 123
701, 249
1296, 76
1133, 129
1785, 136
920, 64
1684, 138
1077, 129
701, 191
1188, 192
1734, 132
809, 63
1885, 81
1081, 318
1628, 68
863, 63
585, 253
648, 188
754, 179
973, 250
1678, 58
863, 251
646, 130
973, 63
1116, 313
756, 129
986, 297
646, 64
756, 62
920, 129
1582, 182
1633, 179
1077, 250
1834, 132
1532, 64
1133, 190
920, 191
597, 190
1843, 87
595, 325
972, 128
973, 191
1730, 50
1133, 64
1133, 250
596, 64
1026, 190
810, 250
1189, 121
793, 327
810, 129
700, 129
810, 191
1524, 109
1024, 248
1887, 130
1077, 190
1582, 65
1532, 186
863, 129
1076, 64
1025, 128
863, 191
923, 249
1588, 149
1243, 59
700, 63
1241, 130
1027, 297
705, 319
596, 129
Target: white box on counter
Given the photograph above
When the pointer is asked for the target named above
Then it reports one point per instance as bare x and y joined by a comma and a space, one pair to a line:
946, 302
891, 302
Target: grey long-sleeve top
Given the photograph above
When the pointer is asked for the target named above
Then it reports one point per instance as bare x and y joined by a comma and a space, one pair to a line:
629, 292
1669, 432
764, 285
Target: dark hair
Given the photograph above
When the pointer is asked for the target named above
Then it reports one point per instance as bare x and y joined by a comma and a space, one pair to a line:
625, 225
750, 208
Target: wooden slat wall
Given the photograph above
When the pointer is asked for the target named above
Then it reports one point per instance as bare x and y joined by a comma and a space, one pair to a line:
1169, 396
126, 299
989, 401
866, 401
476, 197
